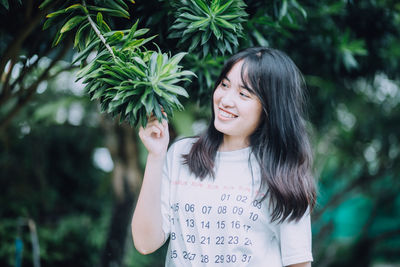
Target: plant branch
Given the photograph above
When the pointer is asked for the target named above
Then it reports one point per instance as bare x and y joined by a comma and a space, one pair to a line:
98, 33
29, 92
15, 45
335, 199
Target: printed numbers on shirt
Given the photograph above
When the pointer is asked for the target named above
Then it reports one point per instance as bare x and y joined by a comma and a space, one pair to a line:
173, 236
227, 258
246, 227
205, 224
233, 240
225, 197
219, 240
190, 239
171, 219
246, 258
241, 198
220, 224
237, 210
206, 209
235, 224
247, 242
190, 223
253, 216
257, 204
221, 210
188, 256
174, 255
175, 207
205, 240
189, 207
204, 258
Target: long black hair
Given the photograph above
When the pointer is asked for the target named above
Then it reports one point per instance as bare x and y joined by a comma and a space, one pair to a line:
280, 144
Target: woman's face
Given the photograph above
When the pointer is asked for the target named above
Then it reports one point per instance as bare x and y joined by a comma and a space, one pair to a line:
237, 111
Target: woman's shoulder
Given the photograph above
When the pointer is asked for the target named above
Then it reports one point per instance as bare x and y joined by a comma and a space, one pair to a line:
183, 145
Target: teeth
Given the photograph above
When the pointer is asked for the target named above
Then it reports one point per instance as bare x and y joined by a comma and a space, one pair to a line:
226, 114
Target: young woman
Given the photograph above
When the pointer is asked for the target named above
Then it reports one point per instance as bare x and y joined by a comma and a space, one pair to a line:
241, 193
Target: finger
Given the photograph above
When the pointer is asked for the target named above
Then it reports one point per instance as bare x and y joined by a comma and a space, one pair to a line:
151, 118
164, 123
156, 131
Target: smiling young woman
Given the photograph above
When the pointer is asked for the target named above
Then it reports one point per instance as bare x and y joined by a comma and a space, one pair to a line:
237, 110
242, 192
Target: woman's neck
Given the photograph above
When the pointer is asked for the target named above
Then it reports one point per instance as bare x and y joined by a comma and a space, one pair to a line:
231, 143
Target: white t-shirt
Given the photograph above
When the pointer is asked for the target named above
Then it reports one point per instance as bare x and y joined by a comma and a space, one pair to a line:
220, 222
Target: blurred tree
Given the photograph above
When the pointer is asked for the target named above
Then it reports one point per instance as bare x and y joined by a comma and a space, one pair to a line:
349, 52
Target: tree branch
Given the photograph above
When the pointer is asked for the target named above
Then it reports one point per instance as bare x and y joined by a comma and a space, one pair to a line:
15, 45
335, 199
98, 33
29, 92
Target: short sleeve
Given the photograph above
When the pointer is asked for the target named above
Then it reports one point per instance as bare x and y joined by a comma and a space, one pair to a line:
165, 194
295, 240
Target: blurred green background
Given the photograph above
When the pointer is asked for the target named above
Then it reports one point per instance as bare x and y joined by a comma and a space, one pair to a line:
69, 175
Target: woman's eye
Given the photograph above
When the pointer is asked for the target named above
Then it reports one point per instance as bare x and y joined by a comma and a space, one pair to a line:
224, 84
245, 94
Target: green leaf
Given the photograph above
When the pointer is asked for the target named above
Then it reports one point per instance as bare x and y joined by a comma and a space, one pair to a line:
174, 61
137, 70
122, 3
133, 30
81, 28
299, 7
99, 18
174, 89
115, 37
214, 5
153, 63
205, 36
202, 5
56, 13
283, 10
225, 24
113, 12
45, 4
57, 39
199, 24
98, 93
189, 16
195, 42
85, 53
216, 31
224, 7
77, 6
117, 7
72, 23
130, 106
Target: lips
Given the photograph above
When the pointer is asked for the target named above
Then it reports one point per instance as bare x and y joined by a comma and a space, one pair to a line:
226, 114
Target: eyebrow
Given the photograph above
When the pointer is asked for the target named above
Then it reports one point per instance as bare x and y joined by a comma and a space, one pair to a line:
241, 86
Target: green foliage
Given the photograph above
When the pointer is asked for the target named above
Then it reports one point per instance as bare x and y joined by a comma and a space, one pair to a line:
130, 81
133, 90
209, 25
6, 5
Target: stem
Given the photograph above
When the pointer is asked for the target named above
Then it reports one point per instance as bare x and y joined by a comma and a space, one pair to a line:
98, 33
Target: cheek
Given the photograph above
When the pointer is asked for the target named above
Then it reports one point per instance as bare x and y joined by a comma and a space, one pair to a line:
216, 96
257, 112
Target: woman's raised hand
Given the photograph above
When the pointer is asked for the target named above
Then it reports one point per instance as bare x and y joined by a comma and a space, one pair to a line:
155, 136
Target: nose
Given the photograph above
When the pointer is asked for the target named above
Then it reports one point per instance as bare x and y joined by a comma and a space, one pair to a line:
227, 99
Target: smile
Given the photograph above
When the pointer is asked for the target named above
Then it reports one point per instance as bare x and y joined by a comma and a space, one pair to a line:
226, 114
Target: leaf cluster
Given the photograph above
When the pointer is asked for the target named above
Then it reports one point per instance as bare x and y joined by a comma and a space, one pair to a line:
129, 81
209, 25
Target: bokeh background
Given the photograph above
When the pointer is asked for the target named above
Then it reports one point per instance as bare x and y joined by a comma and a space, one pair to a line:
69, 175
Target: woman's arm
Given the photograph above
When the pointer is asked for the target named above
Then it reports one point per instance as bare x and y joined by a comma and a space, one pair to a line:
147, 231
304, 264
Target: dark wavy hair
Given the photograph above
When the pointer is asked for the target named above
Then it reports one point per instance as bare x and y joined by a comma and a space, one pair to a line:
280, 144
